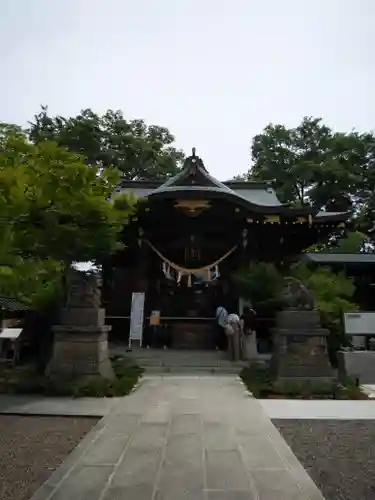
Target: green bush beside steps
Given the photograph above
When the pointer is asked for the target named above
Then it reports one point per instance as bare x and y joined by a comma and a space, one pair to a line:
26, 381
258, 381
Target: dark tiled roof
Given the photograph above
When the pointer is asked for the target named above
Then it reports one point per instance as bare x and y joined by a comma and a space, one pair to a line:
259, 194
194, 179
12, 304
252, 192
340, 258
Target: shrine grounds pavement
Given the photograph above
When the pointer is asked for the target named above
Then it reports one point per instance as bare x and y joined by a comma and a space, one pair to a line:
181, 438
334, 441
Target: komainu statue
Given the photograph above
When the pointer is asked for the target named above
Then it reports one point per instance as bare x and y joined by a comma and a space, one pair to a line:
83, 290
297, 296
299, 340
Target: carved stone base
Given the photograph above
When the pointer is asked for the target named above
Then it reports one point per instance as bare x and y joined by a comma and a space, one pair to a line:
300, 348
80, 351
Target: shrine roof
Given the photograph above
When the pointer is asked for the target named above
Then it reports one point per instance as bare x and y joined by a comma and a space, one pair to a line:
195, 181
339, 258
259, 193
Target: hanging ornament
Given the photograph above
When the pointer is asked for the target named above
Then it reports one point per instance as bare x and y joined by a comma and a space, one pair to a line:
217, 271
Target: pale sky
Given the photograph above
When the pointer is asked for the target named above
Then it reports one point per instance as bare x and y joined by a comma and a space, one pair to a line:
214, 72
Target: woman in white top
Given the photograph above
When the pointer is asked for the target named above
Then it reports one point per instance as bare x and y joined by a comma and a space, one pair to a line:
234, 336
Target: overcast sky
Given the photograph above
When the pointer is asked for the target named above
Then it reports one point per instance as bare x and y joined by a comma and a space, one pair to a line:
214, 72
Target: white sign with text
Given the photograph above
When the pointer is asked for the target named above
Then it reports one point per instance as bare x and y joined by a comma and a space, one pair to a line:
136, 318
359, 323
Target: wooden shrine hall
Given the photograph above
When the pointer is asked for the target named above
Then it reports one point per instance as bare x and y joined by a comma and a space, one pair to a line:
189, 235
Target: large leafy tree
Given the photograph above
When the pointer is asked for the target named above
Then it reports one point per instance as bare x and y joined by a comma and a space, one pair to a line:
334, 293
139, 151
54, 210
311, 164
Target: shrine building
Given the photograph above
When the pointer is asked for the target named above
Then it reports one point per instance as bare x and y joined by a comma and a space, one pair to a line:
188, 237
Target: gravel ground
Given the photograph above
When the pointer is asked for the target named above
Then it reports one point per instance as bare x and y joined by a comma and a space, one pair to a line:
338, 454
31, 448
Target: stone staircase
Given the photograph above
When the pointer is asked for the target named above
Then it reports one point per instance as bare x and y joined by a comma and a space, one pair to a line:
164, 361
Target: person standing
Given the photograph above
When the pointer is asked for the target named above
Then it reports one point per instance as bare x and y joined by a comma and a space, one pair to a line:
234, 330
248, 323
221, 317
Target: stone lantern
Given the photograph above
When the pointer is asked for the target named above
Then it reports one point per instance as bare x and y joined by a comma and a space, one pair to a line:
81, 339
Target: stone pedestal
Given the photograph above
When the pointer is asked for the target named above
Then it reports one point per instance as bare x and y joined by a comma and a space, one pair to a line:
81, 339
80, 351
300, 348
357, 364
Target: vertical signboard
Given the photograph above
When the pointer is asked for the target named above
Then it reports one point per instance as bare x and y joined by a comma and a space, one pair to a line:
359, 325
136, 318
155, 318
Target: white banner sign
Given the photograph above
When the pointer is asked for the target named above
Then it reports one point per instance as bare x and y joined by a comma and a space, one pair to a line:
136, 317
359, 323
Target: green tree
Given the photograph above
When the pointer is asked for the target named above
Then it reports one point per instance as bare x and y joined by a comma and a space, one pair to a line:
365, 219
311, 164
139, 151
351, 242
333, 291
259, 282
334, 296
37, 283
55, 210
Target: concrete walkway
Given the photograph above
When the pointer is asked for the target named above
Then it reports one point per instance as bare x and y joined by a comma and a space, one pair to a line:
62, 407
319, 409
176, 438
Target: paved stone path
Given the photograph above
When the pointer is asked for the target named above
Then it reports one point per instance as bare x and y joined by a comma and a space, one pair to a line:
181, 438
62, 407
319, 409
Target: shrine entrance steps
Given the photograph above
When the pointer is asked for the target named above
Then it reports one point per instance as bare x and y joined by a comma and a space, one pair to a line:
164, 361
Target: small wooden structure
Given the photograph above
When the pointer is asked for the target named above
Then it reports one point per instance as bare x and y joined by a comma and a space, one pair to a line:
12, 338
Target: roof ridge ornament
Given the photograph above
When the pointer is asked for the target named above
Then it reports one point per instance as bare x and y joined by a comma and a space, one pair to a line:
193, 162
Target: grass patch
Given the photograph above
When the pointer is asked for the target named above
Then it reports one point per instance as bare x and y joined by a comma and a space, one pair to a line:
258, 381
24, 380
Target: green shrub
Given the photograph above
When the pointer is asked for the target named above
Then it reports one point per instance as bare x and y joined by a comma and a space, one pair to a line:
124, 385
257, 379
92, 387
304, 389
28, 382
333, 293
123, 367
259, 282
